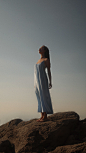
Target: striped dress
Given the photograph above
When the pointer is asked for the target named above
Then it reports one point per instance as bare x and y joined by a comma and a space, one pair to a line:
41, 89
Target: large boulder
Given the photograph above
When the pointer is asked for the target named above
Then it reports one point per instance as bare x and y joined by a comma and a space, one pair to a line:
41, 137
76, 148
7, 147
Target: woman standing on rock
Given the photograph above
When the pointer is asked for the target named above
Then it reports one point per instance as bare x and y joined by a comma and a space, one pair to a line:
41, 84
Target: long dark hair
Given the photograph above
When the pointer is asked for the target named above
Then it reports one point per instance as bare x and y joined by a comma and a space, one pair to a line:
46, 52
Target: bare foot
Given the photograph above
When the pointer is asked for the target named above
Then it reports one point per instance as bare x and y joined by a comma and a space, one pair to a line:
39, 119
43, 119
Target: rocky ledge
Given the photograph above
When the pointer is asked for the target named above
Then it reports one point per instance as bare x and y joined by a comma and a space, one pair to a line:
62, 133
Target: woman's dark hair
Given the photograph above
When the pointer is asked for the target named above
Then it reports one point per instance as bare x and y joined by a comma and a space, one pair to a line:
46, 52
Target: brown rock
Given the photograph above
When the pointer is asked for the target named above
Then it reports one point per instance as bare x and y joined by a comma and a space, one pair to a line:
79, 133
42, 137
7, 147
76, 148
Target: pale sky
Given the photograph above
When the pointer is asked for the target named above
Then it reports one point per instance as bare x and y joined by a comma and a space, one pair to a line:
26, 25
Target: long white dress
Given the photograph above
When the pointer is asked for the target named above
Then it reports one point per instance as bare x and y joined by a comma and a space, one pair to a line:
41, 89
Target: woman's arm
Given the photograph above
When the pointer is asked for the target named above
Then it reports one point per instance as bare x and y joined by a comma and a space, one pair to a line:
49, 72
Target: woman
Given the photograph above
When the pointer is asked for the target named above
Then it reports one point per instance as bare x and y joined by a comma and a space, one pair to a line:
41, 84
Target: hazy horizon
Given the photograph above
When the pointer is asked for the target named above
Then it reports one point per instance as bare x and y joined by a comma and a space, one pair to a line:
24, 27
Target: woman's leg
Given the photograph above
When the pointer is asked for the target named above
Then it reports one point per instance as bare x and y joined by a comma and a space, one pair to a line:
43, 117
42, 114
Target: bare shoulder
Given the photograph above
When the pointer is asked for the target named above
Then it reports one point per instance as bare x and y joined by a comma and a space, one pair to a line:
47, 62
39, 61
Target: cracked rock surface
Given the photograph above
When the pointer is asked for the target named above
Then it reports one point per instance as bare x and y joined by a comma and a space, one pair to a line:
63, 133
